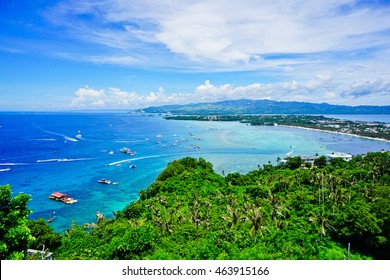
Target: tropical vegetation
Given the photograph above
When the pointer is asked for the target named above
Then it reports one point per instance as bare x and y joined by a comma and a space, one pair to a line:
290, 212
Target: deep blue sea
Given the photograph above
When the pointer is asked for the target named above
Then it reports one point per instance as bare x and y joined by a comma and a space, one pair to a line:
41, 153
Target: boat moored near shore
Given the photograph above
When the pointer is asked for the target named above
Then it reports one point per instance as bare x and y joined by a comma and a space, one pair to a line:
57, 196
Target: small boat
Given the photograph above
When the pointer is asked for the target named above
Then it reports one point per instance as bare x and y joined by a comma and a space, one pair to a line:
69, 200
125, 150
50, 219
107, 182
111, 152
79, 136
104, 181
132, 166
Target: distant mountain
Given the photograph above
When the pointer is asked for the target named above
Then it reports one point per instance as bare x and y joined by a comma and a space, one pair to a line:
246, 106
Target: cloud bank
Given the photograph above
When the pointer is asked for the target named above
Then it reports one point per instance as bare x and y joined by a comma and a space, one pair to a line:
233, 33
370, 91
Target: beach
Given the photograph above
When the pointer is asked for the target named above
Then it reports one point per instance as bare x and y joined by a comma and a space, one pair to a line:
341, 133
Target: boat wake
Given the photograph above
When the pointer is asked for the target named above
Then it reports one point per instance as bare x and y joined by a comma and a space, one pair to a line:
62, 159
12, 164
5, 169
145, 157
289, 153
70, 138
132, 141
57, 134
45, 139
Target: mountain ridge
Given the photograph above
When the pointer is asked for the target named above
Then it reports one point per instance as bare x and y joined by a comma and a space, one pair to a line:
265, 106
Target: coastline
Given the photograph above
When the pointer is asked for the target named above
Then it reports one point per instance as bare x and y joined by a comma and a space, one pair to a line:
336, 132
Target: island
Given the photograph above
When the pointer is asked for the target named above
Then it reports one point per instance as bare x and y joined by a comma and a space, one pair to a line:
374, 130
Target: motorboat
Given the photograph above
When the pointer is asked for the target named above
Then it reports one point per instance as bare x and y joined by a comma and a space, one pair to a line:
107, 182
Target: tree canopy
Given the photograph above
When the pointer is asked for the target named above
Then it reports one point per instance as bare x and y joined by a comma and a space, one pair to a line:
15, 235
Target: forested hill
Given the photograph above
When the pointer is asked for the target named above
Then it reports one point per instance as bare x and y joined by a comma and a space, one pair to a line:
274, 212
246, 106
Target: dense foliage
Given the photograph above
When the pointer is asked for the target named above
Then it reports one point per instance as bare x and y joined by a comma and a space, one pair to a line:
275, 212
15, 236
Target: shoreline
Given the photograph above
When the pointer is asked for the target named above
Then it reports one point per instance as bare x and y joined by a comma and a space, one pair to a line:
336, 132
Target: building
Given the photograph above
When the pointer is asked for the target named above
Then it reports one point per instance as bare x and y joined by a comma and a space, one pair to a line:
344, 156
45, 255
309, 159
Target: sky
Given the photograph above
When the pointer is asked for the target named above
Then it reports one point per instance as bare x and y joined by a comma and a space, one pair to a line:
130, 54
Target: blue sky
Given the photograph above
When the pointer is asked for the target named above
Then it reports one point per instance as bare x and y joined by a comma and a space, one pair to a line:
118, 54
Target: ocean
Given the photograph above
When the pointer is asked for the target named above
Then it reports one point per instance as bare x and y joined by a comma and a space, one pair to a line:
42, 153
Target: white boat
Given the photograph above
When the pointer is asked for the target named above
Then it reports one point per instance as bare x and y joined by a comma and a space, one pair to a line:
104, 181
79, 136
107, 182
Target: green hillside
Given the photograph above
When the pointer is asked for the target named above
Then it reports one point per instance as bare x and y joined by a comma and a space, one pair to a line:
245, 106
190, 212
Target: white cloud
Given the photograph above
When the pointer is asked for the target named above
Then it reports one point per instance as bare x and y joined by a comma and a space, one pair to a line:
319, 81
117, 60
322, 88
86, 96
86, 92
231, 33
368, 87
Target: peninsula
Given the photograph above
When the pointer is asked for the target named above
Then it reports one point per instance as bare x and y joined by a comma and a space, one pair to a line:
375, 130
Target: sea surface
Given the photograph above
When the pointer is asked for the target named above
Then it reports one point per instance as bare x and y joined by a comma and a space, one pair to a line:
41, 153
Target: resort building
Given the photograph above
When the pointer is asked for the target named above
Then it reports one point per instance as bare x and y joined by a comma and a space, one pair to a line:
309, 159
344, 156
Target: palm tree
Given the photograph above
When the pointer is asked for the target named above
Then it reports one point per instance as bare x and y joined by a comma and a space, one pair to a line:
196, 217
232, 200
91, 226
100, 217
256, 219
276, 208
166, 220
232, 217
162, 199
219, 199
322, 221
338, 195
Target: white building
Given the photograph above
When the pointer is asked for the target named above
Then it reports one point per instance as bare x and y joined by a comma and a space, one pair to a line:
344, 156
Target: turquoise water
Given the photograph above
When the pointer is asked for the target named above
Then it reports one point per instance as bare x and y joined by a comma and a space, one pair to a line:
68, 152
